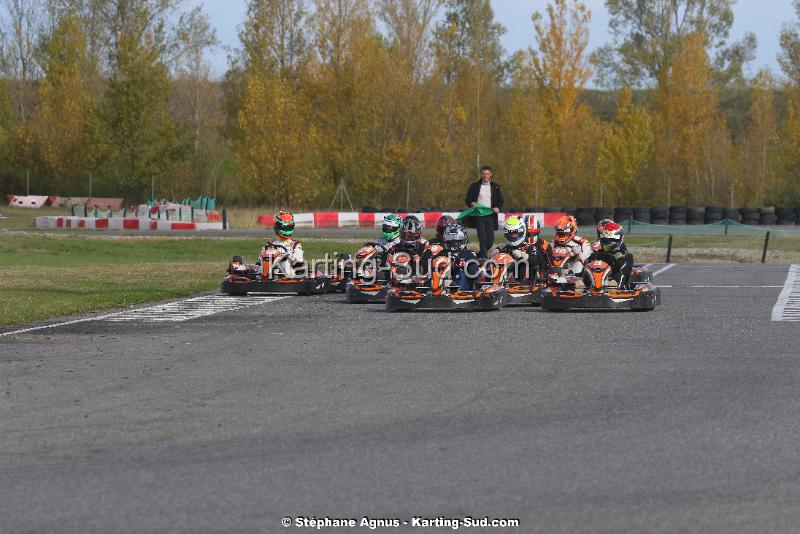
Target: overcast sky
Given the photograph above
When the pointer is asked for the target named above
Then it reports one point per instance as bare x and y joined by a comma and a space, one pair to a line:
762, 17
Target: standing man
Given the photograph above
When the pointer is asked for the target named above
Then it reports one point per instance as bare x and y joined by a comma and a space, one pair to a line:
485, 194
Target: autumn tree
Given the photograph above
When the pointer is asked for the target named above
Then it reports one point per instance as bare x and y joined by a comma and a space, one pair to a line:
20, 25
140, 141
350, 97
561, 69
686, 104
468, 70
197, 104
405, 108
61, 134
626, 157
647, 36
275, 144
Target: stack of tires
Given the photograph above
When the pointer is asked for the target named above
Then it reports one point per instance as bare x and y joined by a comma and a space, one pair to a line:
622, 214
714, 214
677, 214
695, 216
603, 213
786, 215
731, 214
750, 216
767, 216
642, 214
659, 215
585, 216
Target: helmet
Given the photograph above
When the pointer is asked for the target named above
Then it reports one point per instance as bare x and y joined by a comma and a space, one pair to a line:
514, 231
566, 229
410, 231
611, 237
391, 227
455, 238
600, 226
443, 222
532, 228
284, 224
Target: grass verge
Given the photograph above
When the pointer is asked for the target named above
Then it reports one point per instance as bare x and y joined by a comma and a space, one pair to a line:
43, 276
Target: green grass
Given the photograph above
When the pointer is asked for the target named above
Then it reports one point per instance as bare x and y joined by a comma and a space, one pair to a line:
43, 276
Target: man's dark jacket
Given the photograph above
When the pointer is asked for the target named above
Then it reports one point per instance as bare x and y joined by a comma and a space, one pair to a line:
497, 197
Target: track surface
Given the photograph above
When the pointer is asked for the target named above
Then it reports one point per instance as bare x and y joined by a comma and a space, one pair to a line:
683, 419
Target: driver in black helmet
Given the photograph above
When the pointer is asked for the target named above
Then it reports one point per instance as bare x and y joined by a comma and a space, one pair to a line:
412, 245
443, 222
465, 264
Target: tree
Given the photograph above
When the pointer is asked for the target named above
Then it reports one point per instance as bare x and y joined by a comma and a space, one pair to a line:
561, 68
469, 69
686, 105
626, 156
139, 139
405, 108
61, 131
20, 27
789, 58
648, 35
275, 145
758, 181
197, 103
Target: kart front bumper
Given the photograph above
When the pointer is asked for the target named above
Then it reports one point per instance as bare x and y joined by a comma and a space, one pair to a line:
640, 299
488, 298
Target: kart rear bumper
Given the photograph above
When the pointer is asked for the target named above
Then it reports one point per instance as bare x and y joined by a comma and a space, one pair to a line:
488, 298
641, 299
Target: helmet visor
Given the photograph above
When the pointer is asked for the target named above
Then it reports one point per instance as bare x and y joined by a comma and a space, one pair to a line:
515, 234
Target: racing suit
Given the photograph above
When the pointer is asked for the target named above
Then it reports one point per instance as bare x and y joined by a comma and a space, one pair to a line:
533, 260
384, 248
292, 264
621, 262
581, 249
419, 253
465, 268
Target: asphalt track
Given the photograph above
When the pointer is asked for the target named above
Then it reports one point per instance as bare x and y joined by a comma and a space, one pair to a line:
682, 419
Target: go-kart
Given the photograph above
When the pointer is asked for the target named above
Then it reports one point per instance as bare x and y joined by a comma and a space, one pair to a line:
599, 293
364, 285
274, 274
500, 270
439, 292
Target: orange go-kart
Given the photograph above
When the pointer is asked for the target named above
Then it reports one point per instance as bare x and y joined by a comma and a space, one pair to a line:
365, 284
501, 270
438, 292
272, 275
600, 292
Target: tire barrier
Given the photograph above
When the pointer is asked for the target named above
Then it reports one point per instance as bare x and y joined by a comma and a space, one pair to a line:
677, 214
695, 216
603, 213
659, 215
750, 216
713, 214
622, 214
642, 214
129, 223
786, 216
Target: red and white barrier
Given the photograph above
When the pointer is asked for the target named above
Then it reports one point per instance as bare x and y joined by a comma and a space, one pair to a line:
34, 202
324, 219
128, 223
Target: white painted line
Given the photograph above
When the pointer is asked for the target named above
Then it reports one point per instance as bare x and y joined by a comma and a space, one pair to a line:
722, 287
66, 323
787, 308
180, 311
664, 268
